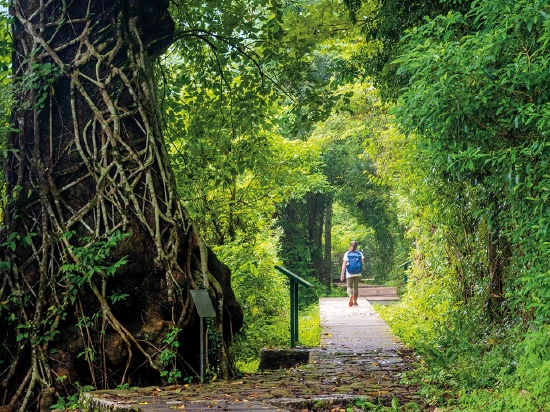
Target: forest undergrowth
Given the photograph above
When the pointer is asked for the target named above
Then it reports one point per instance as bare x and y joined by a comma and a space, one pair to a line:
264, 295
463, 364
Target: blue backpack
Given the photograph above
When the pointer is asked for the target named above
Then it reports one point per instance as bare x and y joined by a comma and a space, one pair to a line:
355, 263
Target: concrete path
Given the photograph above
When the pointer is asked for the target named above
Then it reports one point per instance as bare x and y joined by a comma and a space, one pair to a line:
358, 358
355, 328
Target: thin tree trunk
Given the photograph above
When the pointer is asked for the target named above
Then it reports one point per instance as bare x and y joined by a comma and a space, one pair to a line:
327, 266
315, 218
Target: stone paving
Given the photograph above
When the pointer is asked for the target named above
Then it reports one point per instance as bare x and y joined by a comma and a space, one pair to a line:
358, 358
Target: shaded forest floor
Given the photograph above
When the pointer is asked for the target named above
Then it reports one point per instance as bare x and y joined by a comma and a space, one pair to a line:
356, 368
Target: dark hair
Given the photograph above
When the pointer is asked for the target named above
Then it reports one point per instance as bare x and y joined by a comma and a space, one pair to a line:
353, 245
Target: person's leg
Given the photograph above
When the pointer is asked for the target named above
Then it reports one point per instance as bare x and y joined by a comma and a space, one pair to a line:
355, 288
349, 282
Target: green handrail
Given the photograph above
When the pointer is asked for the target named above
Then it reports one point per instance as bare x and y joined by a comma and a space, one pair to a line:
294, 281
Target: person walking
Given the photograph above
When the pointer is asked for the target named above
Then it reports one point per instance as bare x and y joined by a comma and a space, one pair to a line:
352, 266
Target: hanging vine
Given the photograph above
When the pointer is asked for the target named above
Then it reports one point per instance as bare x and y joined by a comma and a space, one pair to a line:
97, 251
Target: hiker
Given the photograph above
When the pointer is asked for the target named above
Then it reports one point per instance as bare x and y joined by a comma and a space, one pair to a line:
352, 266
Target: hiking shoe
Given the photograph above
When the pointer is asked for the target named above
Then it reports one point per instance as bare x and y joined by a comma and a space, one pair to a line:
351, 300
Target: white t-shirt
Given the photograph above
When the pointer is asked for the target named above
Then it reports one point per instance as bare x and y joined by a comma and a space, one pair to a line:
349, 275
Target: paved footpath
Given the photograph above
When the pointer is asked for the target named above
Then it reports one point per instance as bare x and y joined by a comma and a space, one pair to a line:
356, 328
358, 358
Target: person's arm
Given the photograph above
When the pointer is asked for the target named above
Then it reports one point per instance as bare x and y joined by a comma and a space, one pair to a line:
343, 273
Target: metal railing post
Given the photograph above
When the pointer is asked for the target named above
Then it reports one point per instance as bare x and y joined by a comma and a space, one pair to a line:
293, 314
296, 340
294, 281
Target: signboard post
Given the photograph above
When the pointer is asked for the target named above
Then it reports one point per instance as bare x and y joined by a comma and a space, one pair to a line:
204, 307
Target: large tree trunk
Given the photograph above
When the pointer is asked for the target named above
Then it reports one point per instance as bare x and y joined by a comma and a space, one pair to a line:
88, 164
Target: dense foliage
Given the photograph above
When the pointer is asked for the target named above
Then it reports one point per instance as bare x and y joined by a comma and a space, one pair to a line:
474, 174
285, 146
244, 88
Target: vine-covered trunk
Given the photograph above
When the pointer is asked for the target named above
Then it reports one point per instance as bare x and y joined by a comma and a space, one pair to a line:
98, 256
